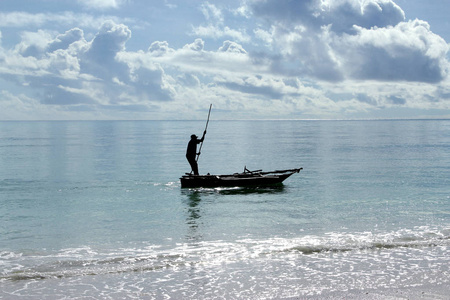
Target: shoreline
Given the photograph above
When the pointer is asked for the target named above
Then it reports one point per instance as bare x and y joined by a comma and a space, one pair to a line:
437, 292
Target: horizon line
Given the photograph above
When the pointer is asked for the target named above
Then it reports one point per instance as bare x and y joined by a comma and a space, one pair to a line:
256, 119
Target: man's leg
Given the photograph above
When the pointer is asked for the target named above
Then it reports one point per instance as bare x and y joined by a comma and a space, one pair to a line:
194, 166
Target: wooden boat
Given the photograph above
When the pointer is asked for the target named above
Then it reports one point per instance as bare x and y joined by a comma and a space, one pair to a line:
245, 179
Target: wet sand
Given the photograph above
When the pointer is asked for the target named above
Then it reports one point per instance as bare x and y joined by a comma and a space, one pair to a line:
411, 293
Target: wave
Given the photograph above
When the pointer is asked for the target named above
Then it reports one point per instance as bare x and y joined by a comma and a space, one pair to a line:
76, 262
343, 242
87, 261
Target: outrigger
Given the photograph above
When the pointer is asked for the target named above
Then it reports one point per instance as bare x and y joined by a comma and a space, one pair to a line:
246, 179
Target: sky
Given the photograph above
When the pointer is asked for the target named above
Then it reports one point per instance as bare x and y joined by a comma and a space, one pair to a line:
250, 59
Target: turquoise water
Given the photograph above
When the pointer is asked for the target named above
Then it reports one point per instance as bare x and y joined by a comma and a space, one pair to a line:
95, 209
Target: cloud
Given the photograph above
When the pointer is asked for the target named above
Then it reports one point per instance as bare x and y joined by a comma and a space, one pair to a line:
217, 32
33, 43
65, 40
189, 80
345, 14
24, 19
160, 48
101, 4
110, 40
350, 39
341, 14
124, 77
197, 45
265, 87
67, 70
300, 59
211, 12
231, 57
229, 46
21, 19
215, 27
408, 51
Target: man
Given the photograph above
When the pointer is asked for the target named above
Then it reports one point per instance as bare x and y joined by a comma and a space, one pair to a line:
191, 151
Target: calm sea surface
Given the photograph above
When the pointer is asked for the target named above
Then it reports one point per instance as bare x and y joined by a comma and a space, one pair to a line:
95, 209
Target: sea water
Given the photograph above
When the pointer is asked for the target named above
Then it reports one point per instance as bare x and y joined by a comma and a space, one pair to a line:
95, 210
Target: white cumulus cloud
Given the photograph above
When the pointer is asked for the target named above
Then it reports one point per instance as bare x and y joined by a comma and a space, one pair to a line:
350, 39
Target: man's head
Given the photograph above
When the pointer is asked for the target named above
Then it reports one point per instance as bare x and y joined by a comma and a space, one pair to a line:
193, 137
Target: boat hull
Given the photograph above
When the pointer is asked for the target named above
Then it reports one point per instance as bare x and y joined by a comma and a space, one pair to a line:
246, 179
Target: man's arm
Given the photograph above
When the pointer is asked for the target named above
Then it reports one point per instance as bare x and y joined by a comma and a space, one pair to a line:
203, 137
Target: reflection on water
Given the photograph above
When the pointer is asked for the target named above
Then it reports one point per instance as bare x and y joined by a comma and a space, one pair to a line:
196, 192
195, 200
194, 209
193, 216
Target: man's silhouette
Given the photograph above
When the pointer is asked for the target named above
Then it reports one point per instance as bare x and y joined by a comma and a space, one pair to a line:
191, 151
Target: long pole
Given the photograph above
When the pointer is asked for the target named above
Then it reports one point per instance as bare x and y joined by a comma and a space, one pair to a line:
200, 149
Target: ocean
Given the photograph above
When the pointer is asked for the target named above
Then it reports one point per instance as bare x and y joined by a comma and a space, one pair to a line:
95, 210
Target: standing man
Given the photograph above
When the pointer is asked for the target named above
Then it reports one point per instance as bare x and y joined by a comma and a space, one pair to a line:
191, 151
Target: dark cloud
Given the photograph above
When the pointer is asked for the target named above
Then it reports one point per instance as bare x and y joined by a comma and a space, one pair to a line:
381, 14
405, 64
345, 15
443, 93
289, 13
267, 92
264, 87
148, 83
406, 52
110, 39
366, 99
341, 15
32, 50
315, 59
397, 100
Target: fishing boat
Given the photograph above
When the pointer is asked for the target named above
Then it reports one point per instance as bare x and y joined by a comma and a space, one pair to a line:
248, 178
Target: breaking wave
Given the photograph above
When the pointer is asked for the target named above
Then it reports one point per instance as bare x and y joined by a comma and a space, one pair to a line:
88, 261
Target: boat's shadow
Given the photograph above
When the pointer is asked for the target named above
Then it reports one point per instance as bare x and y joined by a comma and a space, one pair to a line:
236, 190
